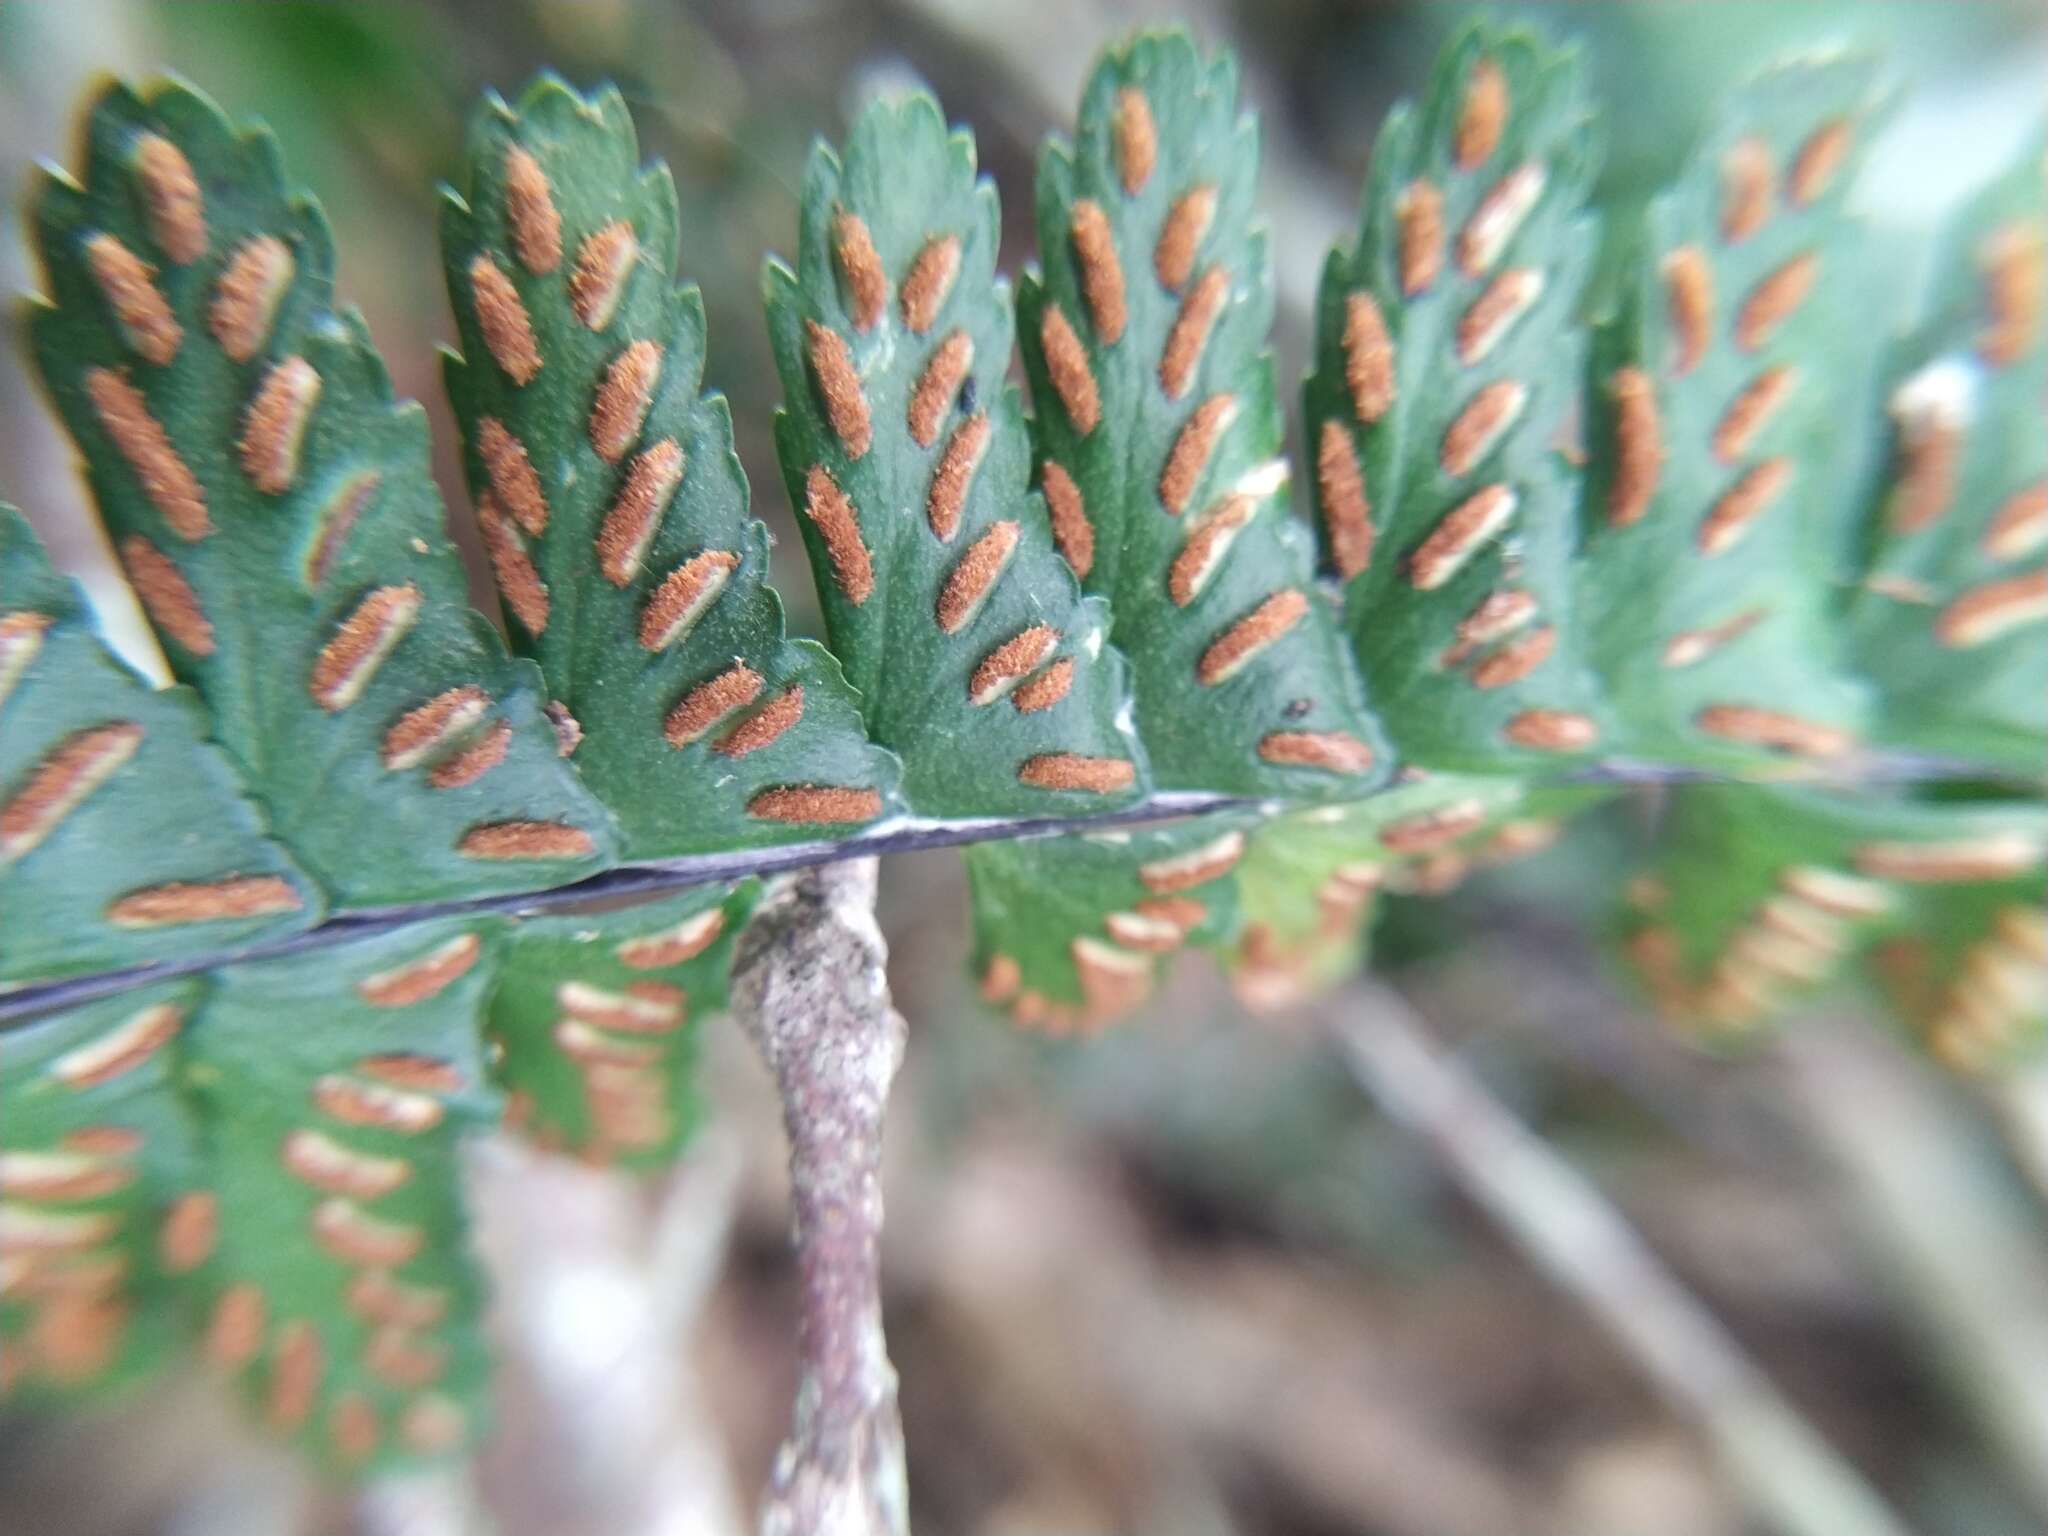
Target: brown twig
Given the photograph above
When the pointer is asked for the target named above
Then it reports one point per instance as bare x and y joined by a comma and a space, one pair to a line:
1962, 1249
604, 1427
438, 1503
1792, 1478
809, 988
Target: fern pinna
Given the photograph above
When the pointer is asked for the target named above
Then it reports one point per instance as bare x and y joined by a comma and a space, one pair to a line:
273, 508
904, 451
1562, 535
1158, 433
1446, 359
94, 759
1716, 386
1952, 537
612, 503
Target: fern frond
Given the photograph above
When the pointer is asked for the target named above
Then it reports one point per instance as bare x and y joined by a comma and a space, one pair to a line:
261, 1163
614, 507
596, 1018
1446, 349
1158, 434
905, 454
273, 507
124, 834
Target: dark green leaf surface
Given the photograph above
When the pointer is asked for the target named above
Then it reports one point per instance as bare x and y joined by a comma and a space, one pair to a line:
273, 506
1715, 437
1069, 930
1761, 896
99, 1197
905, 455
334, 1090
124, 836
1446, 359
616, 509
1949, 620
1159, 437
595, 1016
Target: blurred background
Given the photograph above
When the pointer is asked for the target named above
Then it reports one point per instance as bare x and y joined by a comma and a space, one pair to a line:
1185, 1279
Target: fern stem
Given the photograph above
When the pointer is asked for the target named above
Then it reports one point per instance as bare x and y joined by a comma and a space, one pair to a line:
1794, 1481
809, 988
442, 1503
1962, 1249
605, 1398
645, 881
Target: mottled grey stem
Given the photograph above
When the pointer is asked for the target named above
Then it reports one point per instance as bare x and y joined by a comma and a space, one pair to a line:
809, 988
